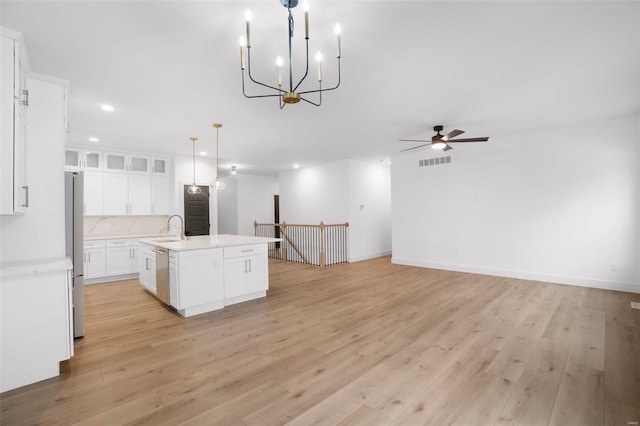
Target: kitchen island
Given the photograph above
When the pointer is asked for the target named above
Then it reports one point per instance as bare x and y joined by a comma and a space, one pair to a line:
205, 273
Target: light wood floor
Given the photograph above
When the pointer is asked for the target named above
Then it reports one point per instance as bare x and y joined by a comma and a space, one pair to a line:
366, 343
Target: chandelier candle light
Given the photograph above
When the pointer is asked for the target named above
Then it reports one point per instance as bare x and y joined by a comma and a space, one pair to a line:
290, 95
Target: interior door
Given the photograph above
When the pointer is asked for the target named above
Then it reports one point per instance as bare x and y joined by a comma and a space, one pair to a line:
196, 212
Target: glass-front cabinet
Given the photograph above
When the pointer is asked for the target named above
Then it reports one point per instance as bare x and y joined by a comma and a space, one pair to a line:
120, 162
82, 159
159, 165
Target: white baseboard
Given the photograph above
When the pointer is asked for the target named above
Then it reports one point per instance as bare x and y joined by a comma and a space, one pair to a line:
369, 256
112, 278
556, 279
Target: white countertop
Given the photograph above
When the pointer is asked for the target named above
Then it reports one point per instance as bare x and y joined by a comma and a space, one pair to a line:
123, 237
209, 241
36, 266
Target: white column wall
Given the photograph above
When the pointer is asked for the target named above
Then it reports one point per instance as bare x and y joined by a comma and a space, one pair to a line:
255, 201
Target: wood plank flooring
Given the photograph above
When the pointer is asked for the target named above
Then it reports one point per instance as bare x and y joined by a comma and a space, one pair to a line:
367, 343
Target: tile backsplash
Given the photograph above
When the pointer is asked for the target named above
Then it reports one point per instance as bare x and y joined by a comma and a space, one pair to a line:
112, 226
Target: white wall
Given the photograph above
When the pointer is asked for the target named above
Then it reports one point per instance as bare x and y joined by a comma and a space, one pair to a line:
255, 201
333, 193
314, 194
369, 210
557, 205
228, 206
39, 233
205, 175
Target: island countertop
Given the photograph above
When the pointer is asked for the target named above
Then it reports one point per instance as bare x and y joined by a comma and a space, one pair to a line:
207, 241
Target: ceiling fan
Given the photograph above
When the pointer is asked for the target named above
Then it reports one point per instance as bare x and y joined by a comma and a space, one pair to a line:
442, 141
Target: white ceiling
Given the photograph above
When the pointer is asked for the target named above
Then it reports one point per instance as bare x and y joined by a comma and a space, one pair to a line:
171, 69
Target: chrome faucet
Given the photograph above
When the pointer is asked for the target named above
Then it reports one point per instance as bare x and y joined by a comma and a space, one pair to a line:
182, 236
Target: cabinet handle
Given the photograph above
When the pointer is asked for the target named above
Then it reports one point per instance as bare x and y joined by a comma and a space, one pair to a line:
146, 263
249, 265
25, 102
89, 257
84, 257
26, 196
245, 266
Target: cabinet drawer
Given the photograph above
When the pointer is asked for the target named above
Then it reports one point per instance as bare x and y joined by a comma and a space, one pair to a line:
124, 242
94, 244
239, 251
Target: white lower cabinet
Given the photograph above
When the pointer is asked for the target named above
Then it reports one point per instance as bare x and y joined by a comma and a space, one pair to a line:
36, 320
202, 270
95, 264
121, 259
148, 268
246, 271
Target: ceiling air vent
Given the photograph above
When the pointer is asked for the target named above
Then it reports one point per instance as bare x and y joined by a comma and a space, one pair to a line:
434, 161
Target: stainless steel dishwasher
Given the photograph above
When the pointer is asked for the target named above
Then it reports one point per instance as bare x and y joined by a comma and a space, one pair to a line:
162, 274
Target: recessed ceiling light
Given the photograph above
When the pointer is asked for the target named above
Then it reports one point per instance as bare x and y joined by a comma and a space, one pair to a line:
203, 152
108, 108
93, 139
296, 166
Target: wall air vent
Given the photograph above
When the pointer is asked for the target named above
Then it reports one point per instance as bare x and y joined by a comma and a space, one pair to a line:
434, 161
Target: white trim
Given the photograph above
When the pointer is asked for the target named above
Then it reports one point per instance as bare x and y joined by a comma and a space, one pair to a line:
556, 279
369, 256
48, 79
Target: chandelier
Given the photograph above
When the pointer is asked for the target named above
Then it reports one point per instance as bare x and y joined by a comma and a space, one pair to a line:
288, 95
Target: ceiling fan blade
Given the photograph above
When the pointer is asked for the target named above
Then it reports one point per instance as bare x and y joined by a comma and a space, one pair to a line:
447, 148
415, 147
452, 134
469, 140
413, 140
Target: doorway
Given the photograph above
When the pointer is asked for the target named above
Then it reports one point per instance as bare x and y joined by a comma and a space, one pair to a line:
196, 211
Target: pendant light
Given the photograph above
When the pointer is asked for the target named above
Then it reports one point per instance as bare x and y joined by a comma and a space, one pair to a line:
194, 189
217, 184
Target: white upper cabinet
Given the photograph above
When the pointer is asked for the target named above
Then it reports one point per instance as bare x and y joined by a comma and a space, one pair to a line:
14, 99
160, 165
93, 194
82, 159
139, 195
133, 163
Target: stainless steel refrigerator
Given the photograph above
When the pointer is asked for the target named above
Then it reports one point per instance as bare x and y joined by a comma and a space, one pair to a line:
74, 242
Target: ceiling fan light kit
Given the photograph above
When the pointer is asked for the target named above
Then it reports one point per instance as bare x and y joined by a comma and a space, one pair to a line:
289, 95
442, 142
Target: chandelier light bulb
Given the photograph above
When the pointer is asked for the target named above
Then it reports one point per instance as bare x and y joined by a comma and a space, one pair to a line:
247, 15
279, 61
338, 29
305, 6
318, 57
243, 41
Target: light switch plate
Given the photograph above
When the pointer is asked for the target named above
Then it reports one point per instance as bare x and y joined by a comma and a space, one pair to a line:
635, 305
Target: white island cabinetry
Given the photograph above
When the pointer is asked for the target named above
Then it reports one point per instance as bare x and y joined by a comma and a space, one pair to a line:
246, 273
209, 272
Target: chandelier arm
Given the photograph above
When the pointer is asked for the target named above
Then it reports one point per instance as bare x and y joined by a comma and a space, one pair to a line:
256, 96
328, 89
320, 96
291, 24
306, 71
255, 81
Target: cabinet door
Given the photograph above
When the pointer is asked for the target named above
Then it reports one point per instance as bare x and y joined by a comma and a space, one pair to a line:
235, 277
116, 194
72, 159
92, 160
160, 194
20, 187
148, 270
160, 165
119, 260
200, 277
93, 194
139, 164
258, 274
135, 258
115, 161
139, 194
173, 285
95, 263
